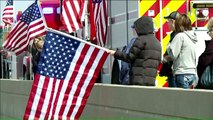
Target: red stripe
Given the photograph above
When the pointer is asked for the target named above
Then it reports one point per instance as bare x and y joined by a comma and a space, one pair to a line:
155, 7
102, 34
8, 8
32, 97
50, 101
82, 80
81, 4
165, 2
7, 13
72, 78
91, 84
42, 97
75, 13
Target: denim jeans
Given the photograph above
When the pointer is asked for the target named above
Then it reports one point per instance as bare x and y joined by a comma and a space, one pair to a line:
185, 80
171, 81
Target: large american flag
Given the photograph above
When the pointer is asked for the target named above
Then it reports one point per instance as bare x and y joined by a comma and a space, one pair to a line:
73, 13
30, 25
99, 21
67, 71
7, 16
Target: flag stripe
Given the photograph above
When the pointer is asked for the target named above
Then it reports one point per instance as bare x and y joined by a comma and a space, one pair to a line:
70, 90
50, 101
36, 98
73, 13
32, 96
82, 77
90, 86
84, 83
47, 97
57, 86
43, 94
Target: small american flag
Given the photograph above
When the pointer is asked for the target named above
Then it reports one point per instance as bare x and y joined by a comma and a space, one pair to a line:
29, 26
7, 16
73, 12
67, 71
99, 21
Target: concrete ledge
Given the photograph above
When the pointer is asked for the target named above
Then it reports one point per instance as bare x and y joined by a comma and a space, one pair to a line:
120, 102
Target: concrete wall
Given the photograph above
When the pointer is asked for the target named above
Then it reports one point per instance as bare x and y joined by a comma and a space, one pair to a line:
115, 102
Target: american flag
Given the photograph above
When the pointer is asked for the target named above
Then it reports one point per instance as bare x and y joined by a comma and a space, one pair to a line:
66, 74
99, 21
7, 16
30, 25
73, 13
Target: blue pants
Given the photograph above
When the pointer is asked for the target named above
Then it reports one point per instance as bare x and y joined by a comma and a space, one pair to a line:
171, 81
185, 80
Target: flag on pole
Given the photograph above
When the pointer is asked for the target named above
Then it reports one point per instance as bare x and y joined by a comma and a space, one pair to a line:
30, 25
67, 71
7, 16
98, 21
73, 13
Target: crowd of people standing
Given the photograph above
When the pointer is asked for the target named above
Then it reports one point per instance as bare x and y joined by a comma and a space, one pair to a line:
183, 66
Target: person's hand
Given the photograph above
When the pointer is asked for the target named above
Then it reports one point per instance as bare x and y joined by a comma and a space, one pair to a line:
166, 59
5, 53
111, 52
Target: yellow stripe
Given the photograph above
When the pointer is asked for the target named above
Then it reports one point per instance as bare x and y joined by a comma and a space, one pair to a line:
192, 14
173, 5
161, 81
165, 42
144, 5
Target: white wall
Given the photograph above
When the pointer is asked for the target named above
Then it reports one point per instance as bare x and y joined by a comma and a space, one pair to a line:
19, 5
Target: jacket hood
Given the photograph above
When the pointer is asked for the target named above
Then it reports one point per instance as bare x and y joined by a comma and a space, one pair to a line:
144, 25
192, 35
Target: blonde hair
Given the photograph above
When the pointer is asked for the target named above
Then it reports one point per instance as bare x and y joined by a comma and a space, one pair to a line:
210, 24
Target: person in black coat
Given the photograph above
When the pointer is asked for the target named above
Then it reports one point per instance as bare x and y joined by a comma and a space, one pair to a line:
166, 69
206, 57
144, 55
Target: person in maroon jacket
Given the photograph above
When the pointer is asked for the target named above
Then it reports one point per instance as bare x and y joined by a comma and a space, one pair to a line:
206, 57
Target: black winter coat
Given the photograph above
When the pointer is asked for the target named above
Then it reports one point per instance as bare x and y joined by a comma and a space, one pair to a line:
144, 55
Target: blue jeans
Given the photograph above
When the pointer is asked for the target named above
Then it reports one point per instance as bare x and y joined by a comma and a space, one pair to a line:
185, 80
171, 81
